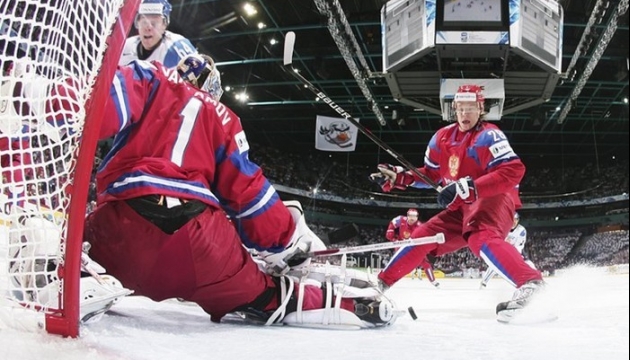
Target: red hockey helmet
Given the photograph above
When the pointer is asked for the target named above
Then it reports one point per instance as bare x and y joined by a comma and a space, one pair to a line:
469, 93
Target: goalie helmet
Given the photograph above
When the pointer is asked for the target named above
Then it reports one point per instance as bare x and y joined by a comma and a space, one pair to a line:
155, 7
469, 93
199, 70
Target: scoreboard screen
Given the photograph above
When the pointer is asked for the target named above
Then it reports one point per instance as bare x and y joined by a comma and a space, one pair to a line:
472, 15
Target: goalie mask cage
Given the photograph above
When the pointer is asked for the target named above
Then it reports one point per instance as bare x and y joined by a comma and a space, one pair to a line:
58, 60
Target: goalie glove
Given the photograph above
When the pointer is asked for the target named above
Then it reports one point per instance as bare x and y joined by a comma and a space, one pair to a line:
457, 193
391, 177
302, 241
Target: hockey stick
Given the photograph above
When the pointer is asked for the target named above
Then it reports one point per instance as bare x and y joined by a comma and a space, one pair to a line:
289, 44
435, 239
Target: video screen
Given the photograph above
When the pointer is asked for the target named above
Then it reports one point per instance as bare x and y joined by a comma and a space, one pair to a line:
472, 11
469, 15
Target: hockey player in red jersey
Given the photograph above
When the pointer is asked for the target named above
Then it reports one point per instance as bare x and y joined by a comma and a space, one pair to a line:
401, 228
179, 163
480, 174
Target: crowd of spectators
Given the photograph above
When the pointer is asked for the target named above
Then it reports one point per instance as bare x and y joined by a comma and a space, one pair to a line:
601, 248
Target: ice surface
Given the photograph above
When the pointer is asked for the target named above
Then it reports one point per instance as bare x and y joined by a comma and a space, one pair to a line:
454, 322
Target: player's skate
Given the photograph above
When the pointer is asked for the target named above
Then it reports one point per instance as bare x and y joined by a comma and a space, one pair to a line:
436, 284
509, 311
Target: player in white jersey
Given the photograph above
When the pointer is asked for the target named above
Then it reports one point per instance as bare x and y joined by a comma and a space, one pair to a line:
153, 41
517, 237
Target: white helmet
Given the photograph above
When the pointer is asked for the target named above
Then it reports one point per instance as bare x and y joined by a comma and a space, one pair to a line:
156, 7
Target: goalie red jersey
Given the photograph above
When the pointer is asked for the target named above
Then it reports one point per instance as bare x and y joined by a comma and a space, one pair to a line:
200, 153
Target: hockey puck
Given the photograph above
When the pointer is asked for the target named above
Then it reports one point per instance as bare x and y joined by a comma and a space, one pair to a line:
412, 313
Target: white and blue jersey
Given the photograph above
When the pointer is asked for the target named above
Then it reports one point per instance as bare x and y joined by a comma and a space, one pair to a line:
517, 237
171, 49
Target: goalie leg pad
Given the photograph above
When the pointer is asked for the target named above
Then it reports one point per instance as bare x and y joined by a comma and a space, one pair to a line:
98, 297
344, 306
320, 272
369, 312
324, 296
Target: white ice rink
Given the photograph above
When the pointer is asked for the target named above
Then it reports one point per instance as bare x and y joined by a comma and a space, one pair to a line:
455, 322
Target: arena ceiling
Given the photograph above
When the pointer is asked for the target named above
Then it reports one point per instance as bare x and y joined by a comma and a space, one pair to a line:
280, 112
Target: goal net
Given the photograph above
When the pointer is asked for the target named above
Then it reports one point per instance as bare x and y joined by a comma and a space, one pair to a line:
58, 59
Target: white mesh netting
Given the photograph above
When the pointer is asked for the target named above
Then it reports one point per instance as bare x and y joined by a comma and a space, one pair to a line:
51, 52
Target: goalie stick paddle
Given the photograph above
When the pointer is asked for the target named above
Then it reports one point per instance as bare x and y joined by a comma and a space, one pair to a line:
437, 238
289, 44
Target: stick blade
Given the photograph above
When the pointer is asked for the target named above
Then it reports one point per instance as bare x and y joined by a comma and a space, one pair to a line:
289, 44
343, 234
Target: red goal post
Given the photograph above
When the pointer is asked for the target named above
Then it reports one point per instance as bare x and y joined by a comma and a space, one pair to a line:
48, 154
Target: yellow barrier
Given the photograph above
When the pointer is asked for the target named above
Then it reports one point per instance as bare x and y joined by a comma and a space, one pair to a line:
437, 273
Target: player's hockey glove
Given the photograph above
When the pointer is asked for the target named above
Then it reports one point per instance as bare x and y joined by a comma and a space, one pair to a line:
391, 177
302, 241
458, 193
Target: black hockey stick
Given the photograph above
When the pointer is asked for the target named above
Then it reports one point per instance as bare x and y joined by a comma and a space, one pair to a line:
289, 44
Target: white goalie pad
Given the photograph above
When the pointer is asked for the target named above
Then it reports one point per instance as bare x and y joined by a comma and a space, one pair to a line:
34, 256
371, 308
97, 296
320, 272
